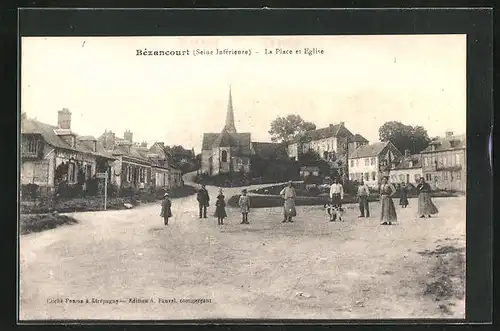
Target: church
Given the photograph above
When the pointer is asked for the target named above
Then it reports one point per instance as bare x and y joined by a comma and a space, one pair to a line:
229, 151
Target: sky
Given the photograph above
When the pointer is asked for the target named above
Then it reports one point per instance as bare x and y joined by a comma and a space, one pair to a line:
363, 81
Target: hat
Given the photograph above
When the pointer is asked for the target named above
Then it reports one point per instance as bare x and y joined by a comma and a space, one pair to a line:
165, 195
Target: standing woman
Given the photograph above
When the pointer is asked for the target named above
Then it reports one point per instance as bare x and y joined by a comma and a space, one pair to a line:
166, 209
403, 195
289, 195
388, 212
425, 205
220, 208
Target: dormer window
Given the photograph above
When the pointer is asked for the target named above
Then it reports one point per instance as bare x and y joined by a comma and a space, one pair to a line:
31, 147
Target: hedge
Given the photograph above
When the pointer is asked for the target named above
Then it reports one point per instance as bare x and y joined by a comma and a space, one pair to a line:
38, 223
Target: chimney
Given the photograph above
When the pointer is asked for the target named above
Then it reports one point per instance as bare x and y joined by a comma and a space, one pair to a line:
109, 140
144, 144
342, 124
128, 136
330, 126
23, 116
407, 152
64, 119
448, 134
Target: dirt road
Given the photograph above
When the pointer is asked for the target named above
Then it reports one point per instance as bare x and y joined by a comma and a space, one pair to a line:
307, 269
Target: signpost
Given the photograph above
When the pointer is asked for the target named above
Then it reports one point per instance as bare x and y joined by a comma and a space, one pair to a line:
104, 175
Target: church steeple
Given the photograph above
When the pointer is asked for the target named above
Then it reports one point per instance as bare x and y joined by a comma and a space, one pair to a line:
229, 127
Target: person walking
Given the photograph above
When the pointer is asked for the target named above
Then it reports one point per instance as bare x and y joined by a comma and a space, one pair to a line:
403, 195
220, 208
363, 194
388, 211
425, 204
166, 208
203, 200
289, 195
244, 204
336, 194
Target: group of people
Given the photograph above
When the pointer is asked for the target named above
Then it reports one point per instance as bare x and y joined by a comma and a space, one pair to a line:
388, 214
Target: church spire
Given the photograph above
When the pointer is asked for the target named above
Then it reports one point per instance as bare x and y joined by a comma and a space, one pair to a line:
229, 127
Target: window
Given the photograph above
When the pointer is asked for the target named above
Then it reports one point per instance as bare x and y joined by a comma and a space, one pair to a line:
367, 162
445, 175
444, 160
372, 161
357, 163
224, 156
401, 178
142, 177
426, 161
457, 159
352, 176
374, 175
129, 173
458, 175
417, 177
367, 176
428, 177
71, 172
352, 163
31, 146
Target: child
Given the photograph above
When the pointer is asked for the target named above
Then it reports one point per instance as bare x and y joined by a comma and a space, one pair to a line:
244, 204
334, 212
166, 208
220, 210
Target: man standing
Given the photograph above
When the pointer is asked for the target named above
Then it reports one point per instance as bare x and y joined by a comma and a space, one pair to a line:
289, 195
363, 194
336, 193
203, 200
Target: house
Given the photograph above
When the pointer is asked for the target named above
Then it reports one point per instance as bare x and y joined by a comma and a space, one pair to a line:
407, 169
229, 151
269, 151
444, 162
332, 143
53, 154
372, 162
136, 166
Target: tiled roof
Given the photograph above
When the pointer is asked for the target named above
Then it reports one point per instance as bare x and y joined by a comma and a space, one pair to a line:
359, 138
269, 150
208, 140
31, 126
445, 143
404, 162
330, 131
241, 141
368, 150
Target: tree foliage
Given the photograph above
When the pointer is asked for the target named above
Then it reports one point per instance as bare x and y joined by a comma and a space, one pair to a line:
284, 129
405, 137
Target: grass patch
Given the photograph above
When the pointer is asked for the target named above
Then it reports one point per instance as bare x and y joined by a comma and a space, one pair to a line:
39, 223
446, 279
82, 204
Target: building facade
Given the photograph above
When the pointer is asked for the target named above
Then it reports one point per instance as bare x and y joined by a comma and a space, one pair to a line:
444, 163
332, 143
407, 170
371, 162
230, 152
53, 154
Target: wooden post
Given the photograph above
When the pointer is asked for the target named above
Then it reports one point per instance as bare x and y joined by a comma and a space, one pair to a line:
105, 189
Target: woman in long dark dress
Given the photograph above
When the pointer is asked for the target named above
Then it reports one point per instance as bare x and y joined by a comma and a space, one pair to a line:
220, 208
388, 211
166, 209
425, 204
403, 195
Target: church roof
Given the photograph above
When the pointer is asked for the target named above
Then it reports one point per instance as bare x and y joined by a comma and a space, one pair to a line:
208, 140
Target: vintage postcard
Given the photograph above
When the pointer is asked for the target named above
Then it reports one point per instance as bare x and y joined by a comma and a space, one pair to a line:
242, 177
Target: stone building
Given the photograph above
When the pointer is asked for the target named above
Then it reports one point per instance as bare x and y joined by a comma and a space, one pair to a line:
444, 163
332, 143
407, 169
230, 151
52, 154
372, 162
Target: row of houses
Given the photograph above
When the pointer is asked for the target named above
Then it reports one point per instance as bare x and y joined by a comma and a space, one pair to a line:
442, 163
54, 154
